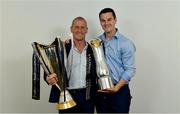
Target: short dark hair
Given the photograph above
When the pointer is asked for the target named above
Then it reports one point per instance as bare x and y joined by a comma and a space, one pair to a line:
106, 10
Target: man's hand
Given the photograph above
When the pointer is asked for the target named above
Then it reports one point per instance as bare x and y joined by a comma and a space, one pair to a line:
52, 79
109, 90
116, 88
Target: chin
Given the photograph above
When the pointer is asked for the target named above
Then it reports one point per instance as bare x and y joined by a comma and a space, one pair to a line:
107, 30
79, 39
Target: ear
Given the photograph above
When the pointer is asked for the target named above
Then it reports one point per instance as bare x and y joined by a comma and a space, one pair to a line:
116, 20
87, 30
71, 29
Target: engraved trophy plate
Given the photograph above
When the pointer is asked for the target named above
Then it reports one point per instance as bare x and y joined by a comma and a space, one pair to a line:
51, 58
102, 70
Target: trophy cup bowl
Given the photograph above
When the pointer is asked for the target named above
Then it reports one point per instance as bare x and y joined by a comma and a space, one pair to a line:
102, 70
51, 58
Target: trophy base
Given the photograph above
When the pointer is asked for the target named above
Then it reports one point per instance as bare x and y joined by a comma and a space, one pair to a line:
65, 101
66, 105
105, 82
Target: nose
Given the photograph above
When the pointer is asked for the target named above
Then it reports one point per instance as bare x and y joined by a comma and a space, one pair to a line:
106, 22
79, 30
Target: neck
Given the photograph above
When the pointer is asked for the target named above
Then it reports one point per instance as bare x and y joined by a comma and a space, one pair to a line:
80, 44
110, 34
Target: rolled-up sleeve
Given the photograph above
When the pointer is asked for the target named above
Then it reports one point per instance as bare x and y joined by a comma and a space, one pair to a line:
128, 60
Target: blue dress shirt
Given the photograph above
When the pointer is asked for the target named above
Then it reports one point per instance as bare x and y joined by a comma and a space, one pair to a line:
120, 57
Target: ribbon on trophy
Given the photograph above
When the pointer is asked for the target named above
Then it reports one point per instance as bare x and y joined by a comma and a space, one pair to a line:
51, 58
35, 77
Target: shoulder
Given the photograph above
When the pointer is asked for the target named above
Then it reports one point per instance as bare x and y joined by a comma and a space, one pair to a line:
67, 42
89, 48
125, 42
101, 36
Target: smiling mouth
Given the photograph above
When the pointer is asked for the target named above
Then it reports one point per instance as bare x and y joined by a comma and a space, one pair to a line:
107, 26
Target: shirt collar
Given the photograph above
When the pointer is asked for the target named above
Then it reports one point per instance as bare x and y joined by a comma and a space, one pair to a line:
85, 48
116, 35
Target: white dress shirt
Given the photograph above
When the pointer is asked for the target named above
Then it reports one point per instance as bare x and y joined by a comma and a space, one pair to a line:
77, 68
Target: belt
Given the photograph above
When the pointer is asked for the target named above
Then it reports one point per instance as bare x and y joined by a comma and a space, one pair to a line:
78, 90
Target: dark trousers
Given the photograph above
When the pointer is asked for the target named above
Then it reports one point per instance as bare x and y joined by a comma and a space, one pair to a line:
83, 105
118, 102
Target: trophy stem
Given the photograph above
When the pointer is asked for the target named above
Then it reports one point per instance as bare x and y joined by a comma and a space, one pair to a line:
64, 96
58, 87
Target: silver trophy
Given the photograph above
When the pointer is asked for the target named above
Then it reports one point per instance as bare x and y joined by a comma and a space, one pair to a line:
51, 58
102, 70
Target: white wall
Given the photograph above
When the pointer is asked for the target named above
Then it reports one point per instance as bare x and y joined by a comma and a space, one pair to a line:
152, 25
0, 59
179, 56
